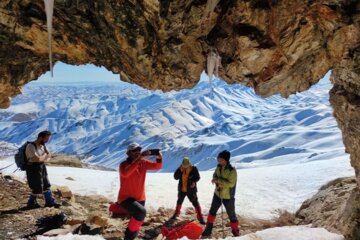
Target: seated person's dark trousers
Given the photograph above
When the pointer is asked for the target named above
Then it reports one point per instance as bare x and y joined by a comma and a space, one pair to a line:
135, 208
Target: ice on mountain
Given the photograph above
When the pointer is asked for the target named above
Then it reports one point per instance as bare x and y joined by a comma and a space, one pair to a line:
213, 64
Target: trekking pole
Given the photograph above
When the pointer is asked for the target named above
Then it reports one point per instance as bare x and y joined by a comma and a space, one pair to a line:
222, 215
6, 167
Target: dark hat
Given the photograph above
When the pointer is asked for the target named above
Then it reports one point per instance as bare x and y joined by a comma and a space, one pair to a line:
225, 155
44, 133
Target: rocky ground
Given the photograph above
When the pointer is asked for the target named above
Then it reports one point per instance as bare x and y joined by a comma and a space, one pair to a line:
89, 215
330, 208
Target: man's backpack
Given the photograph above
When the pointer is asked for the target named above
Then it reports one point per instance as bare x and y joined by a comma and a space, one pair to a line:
20, 157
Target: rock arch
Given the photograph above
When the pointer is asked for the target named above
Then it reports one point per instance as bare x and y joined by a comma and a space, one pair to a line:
274, 46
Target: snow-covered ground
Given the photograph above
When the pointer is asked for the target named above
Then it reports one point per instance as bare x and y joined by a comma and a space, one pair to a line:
292, 233
279, 233
260, 191
101, 119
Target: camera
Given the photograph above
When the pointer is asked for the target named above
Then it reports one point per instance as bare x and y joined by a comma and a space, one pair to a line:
155, 151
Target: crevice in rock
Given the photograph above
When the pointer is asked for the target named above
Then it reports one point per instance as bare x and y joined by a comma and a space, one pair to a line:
254, 34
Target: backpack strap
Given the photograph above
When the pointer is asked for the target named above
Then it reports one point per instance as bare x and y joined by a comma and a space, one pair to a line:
34, 144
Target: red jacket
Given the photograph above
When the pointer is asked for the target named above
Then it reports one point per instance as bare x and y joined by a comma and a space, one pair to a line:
132, 178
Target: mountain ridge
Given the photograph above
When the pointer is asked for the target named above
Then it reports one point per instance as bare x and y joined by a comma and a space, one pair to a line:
99, 120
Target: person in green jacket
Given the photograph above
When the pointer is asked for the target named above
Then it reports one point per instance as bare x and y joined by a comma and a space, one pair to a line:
225, 177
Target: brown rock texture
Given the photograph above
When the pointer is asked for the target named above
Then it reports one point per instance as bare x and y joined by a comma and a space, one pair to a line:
274, 46
345, 100
335, 207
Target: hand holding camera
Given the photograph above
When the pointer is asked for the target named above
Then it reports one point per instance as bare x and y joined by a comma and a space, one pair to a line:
151, 152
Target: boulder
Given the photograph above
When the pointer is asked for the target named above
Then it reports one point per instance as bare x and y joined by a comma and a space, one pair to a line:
98, 220
336, 207
62, 191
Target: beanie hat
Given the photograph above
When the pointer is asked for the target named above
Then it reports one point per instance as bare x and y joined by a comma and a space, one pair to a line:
185, 162
225, 155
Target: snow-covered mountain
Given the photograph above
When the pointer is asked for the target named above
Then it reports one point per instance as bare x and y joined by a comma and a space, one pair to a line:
100, 119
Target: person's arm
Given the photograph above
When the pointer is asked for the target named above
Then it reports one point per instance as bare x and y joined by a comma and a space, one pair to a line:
215, 177
127, 169
231, 181
196, 175
33, 156
149, 165
177, 174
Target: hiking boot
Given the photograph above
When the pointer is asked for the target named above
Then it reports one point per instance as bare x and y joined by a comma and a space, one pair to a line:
53, 204
32, 202
50, 201
33, 206
177, 212
236, 232
235, 228
174, 216
199, 216
129, 235
201, 221
208, 230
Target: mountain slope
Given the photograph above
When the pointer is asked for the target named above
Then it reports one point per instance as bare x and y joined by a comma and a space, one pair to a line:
99, 120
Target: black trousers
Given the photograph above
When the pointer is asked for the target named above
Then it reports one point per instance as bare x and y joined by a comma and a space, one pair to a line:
192, 196
229, 205
136, 209
37, 178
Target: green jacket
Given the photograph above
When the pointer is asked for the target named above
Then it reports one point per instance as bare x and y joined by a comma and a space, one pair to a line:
228, 177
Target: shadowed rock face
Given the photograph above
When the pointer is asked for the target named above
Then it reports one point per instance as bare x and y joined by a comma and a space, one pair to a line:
274, 46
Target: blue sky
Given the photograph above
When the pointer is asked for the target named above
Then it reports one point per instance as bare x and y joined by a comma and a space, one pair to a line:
82, 73
64, 73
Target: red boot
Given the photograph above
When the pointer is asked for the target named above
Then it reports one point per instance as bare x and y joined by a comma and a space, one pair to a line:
177, 212
132, 229
199, 215
209, 226
235, 228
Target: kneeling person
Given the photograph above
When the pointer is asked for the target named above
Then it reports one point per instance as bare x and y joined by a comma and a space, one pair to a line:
132, 186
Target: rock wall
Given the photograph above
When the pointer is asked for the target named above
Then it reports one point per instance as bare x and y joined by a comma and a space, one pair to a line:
345, 100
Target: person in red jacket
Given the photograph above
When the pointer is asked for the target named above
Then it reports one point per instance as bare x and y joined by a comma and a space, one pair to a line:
132, 186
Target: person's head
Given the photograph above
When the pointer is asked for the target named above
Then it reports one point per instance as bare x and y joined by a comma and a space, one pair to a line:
43, 137
134, 150
186, 162
224, 158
